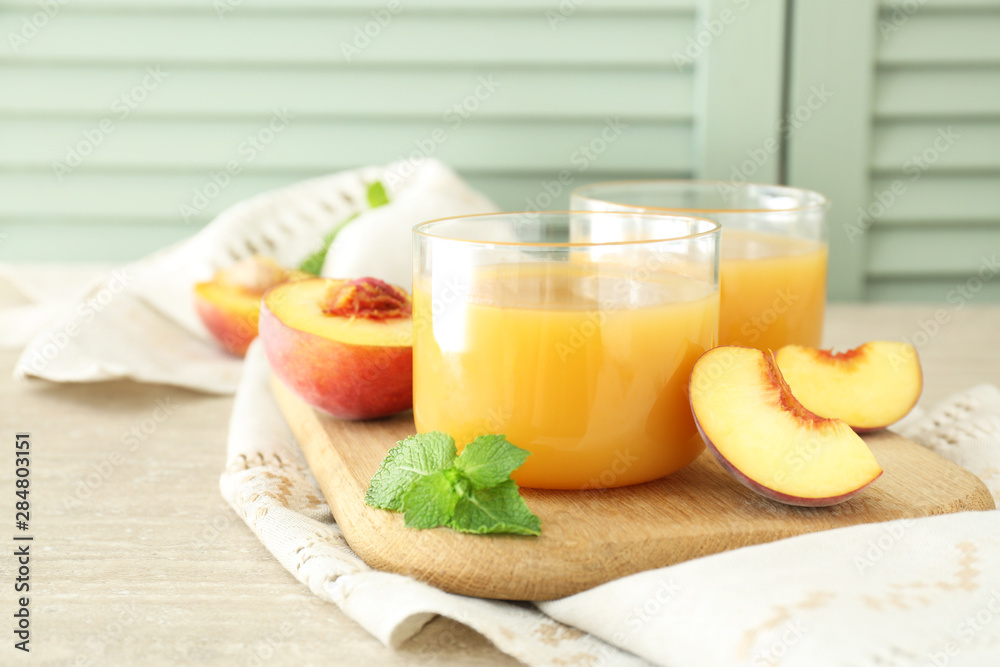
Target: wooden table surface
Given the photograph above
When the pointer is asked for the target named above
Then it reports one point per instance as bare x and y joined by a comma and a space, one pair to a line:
137, 559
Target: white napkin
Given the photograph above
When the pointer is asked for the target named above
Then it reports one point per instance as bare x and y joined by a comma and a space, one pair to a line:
965, 429
32, 296
139, 321
268, 485
908, 592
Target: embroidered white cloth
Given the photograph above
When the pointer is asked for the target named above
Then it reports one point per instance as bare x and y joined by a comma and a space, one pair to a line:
909, 592
138, 321
912, 592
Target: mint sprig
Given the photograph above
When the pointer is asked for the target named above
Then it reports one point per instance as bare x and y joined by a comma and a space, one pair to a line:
424, 478
411, 459
489, 460
497, 509
313, 264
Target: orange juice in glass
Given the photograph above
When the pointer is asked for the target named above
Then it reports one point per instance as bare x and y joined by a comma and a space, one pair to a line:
773, 264
578, 351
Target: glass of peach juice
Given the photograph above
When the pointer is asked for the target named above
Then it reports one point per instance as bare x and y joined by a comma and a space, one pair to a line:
774, 252
578, 351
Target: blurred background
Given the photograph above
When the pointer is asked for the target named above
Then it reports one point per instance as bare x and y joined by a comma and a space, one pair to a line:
126, 125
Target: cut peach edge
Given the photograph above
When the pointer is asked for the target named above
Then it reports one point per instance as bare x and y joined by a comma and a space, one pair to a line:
768, 492
282, 343
916, 398
291, 291
832, 358
240, 297
789, 403
317, 337
233, 330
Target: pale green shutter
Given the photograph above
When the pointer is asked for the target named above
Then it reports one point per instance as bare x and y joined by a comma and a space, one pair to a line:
910, 148
560, 81
700, 96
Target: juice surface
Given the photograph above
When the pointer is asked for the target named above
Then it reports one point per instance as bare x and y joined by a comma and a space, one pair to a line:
773, 290
596, 391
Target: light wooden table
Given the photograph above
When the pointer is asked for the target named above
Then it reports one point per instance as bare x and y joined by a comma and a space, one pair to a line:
138, 561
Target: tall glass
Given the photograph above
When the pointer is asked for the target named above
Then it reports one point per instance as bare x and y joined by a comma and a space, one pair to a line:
579, 351
774, 251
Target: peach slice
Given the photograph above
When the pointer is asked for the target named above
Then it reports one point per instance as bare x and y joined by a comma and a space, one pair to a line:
230, 303
869, 387
344, 347
767, 440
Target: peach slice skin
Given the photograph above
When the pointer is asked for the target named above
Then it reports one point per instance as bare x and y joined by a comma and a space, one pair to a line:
869, 387
767, 440
366, 373
229, 304
229, 314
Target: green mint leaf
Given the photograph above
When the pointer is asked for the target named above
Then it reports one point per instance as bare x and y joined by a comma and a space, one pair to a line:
498, 509
314, 263
430, 502
377, 195
489, 460
417, 456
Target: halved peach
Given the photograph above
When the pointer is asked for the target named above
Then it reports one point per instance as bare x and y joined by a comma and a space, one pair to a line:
344, 347
767, 440
229, 304
869, 387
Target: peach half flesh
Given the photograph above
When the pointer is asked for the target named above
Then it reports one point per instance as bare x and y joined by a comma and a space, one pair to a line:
767, 440
345, 347
229, 304
869, 387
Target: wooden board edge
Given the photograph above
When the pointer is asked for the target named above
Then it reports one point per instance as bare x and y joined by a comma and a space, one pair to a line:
358, 523
978, 499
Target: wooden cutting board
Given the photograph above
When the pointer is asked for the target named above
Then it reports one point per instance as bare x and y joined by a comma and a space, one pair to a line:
591, 537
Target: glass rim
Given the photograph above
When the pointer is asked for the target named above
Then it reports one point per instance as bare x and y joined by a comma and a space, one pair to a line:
821, 203
714, 228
